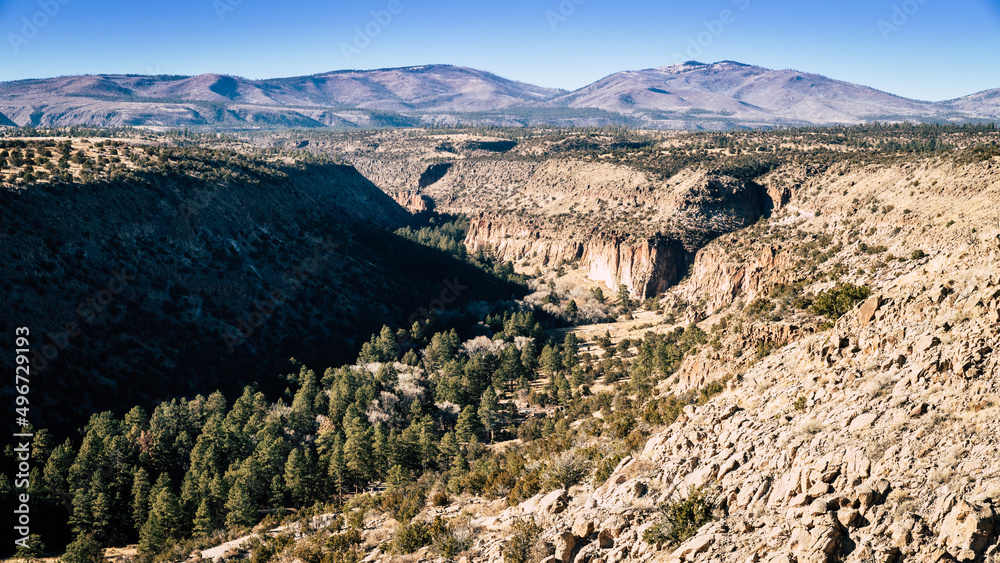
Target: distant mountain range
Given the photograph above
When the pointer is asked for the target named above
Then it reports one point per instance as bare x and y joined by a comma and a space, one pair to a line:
688, 96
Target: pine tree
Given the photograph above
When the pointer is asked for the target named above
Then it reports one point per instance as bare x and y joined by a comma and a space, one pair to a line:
299, 470
571, 348
358, 456
381, 452
447, 450
468, 424
302, 418
140, 497
277, 492
510, 368
338, 467
358, 448
167, 510
428, 447
240, 506
57, 473
529, 360
82, 518
550, 361
459, 469
102, 515
489, 411
203, 519
152, 536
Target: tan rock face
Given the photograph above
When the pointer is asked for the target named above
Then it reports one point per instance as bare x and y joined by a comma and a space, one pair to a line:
966, 530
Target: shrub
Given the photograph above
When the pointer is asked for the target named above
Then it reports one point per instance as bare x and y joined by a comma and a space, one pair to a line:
523, 542
568, 469
758, 307
605, 467
410, 537
440, 498
836, 301
83, 550
800, 403
917, 254
448, 540
682, 519
404, 502
710, 390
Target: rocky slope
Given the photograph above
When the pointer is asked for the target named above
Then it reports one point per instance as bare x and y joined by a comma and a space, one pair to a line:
873, 438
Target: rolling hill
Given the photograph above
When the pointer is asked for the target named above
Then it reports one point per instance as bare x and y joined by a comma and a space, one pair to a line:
690, 96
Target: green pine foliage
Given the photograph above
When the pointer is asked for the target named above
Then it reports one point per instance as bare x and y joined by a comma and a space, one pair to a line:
196, 466
838, 300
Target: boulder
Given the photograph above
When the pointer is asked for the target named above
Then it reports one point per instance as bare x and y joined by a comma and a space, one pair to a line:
966, 530
565, 543
583, 528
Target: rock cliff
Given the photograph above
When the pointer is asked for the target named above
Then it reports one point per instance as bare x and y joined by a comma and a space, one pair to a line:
626, 226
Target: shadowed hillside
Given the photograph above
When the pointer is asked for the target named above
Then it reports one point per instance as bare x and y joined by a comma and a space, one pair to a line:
207, 270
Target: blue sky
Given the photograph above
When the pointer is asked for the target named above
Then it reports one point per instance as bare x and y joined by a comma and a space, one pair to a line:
924, 49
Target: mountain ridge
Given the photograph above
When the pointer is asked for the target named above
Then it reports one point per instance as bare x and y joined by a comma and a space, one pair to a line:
688, 96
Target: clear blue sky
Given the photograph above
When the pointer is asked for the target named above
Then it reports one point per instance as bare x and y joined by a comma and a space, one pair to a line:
941, 49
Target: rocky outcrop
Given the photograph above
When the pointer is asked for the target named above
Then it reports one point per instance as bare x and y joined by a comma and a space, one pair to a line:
413, 201
509, 240
719, 278
645, 267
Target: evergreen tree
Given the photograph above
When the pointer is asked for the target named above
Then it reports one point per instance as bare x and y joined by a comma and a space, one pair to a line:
381, 452
447, 450
357, 448
141, 488
84, 549
302, 417
510, 368
489, 412
529, 360
166, 508
152, 536
56, 474
241, 508
338, 466
550, 361
570, 353
82, 518
468, 424
204, 523
428, 447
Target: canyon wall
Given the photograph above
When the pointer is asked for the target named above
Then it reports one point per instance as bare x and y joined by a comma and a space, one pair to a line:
645, 266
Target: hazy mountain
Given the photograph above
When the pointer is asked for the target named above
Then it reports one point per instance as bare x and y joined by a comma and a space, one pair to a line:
746, 94
986, 103
688, 96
